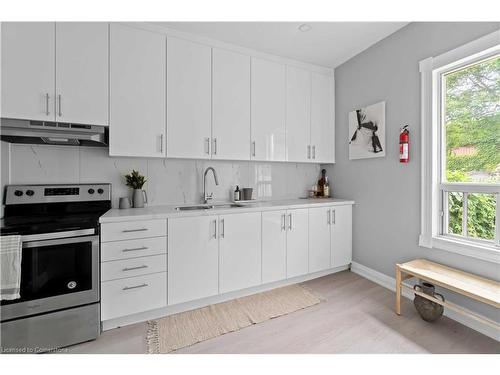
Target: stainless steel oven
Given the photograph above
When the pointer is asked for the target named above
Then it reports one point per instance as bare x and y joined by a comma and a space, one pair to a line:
58, 270
59, 302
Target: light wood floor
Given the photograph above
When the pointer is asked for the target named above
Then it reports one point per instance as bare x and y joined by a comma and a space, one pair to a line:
357, 317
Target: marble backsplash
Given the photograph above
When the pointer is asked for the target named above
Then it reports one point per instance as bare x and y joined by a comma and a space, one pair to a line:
169, 181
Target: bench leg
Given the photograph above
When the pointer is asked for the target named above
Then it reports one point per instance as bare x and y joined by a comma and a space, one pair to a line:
398, 290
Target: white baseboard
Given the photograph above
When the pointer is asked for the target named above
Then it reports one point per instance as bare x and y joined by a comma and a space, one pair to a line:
390, 283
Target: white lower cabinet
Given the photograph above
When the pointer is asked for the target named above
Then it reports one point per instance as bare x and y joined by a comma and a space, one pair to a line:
193, 257
297, 255
341, 235
319, 239
284, 244
273, 246
133, 267
149, 264
239, 251
133, 295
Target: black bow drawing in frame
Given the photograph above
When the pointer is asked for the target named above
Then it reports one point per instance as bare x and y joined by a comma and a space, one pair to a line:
377, 147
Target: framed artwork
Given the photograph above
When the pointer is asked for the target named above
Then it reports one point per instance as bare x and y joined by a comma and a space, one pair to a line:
367, 132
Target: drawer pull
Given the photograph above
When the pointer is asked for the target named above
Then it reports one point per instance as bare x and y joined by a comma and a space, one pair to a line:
135, 249
135, 286
134, 268
134, 230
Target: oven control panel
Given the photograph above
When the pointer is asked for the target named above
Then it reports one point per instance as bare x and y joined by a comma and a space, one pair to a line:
28, 194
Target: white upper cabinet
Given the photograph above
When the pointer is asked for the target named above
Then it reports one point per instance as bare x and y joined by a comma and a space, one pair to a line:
322, 118
55, 71
319, 238
81, 72
137, 92
341, 242
240, 255
230, 105
188, 99
193, 257
268, 110
298, 114
28, 70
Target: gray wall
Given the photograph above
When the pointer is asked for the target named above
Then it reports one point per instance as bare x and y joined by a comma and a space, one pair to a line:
386, 216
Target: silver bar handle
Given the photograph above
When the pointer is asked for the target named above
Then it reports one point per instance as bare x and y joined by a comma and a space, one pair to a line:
253, 148
222, 229
207, 145
309, 151
134, 230
290, 221
314, 152
329, 217
60, 108
47, 112
215, 147
134, 268
135, 249
215, 229
135, 286
161, 143
283, 222
334, 217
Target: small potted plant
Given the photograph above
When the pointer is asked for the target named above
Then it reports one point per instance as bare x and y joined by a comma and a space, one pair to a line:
136, 181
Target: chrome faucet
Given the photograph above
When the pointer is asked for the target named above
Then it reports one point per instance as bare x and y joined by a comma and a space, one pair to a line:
207, 197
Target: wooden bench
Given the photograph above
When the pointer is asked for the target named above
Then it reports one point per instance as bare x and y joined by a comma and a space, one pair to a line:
467, 284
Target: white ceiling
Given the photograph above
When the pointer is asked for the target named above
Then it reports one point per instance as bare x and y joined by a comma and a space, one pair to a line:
327, 43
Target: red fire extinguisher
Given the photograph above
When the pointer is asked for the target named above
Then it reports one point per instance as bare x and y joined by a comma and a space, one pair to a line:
404, 145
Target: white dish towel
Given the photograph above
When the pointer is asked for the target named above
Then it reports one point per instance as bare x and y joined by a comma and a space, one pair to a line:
11, 250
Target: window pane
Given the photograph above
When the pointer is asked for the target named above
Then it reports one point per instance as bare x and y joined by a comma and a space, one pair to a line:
455, 212
481, 211
472, 123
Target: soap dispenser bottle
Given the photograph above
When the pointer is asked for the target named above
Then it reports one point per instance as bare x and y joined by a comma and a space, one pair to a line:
237, 194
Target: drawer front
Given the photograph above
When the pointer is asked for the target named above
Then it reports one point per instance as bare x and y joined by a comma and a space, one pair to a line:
128, 230
119, 250
120, 269
133, 295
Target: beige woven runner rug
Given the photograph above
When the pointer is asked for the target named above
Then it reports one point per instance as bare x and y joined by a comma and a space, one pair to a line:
187, 328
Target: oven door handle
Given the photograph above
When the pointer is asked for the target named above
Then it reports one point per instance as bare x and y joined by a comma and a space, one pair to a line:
54, 235
60, 241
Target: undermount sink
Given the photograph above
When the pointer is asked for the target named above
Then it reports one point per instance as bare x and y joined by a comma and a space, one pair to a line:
207, 206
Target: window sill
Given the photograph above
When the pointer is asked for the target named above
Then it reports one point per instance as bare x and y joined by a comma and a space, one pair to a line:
486, 252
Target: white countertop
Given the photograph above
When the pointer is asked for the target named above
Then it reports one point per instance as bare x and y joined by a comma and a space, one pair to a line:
164, 212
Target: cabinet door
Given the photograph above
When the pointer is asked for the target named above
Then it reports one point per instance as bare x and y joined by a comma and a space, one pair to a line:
230, 105
322, 118
82, 72
28, 70
298, 114
319, 238
137, 92
240, 251
188, 99
268, 110
297, 258
193, 256
273, 246
341, 247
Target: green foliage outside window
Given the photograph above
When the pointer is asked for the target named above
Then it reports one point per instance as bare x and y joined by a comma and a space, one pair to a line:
472, 120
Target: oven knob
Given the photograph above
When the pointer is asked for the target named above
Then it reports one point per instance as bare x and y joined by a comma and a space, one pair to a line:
18, 193
100, 191
30, 193
91, 191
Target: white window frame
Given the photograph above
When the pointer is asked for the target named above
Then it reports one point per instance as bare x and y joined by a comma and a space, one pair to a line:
431, 222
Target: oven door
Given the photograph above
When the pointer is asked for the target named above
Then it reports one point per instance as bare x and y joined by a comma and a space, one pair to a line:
58, 271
